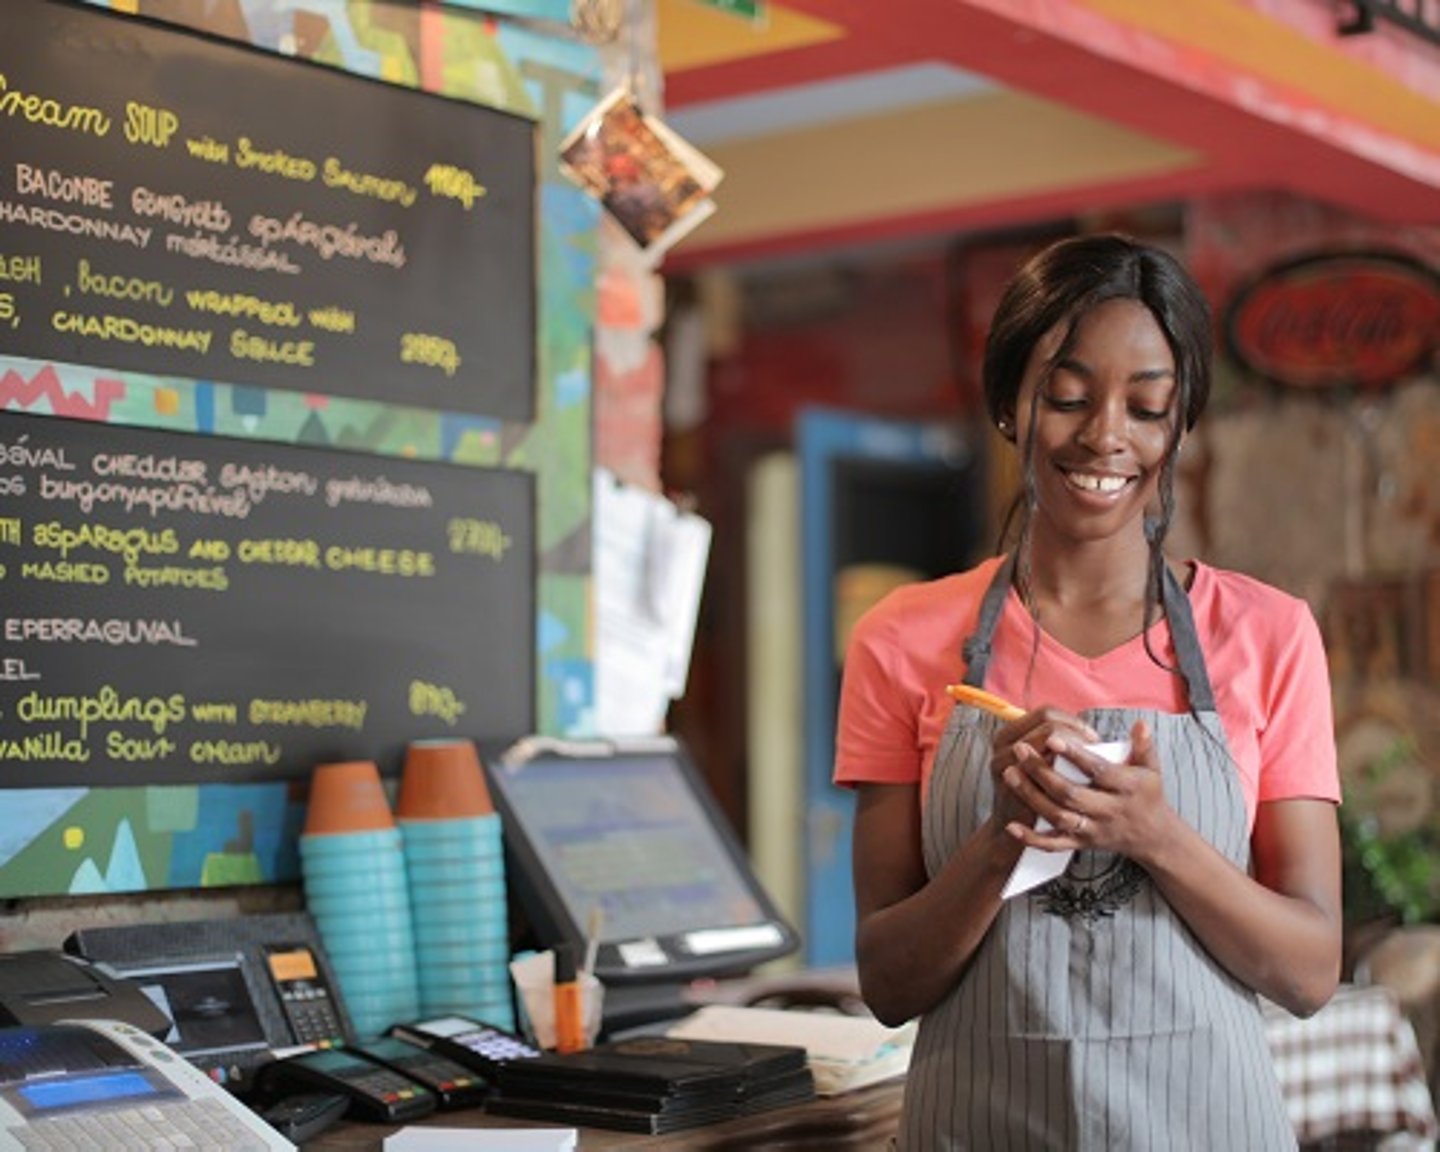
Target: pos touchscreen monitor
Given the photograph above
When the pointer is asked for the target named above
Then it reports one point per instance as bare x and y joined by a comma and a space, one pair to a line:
626, 837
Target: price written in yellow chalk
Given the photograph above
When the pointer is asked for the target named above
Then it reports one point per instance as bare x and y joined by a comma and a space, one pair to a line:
477, 537
429, 351
435, 700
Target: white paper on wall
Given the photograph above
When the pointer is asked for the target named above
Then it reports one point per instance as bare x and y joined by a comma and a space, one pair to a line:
649, 569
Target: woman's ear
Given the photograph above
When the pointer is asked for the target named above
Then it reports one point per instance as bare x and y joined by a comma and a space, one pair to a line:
1006, 426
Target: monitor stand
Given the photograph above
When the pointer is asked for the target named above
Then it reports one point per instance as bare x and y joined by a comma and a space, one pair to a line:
634, 1006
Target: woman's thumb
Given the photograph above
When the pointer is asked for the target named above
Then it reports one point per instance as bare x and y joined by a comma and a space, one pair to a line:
1142, 745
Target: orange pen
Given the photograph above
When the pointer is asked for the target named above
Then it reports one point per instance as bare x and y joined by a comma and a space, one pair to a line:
985, 701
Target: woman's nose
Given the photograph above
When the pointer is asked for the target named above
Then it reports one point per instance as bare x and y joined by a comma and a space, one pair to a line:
1104, 431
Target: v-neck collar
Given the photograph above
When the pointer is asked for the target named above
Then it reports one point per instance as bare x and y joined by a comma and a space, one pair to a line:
977, 648
1018, 617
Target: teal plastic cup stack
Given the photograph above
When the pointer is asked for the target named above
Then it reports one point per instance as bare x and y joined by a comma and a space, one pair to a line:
353, 864
455, 868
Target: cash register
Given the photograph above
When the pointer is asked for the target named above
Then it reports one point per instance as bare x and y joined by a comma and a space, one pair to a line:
106, 1083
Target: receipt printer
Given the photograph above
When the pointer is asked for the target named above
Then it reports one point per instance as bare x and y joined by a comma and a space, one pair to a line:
40, 987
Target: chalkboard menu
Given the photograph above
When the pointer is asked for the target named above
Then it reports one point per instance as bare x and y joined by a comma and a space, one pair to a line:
184, 206
201, 609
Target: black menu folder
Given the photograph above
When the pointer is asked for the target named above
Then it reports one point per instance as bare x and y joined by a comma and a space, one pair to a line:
653, 1084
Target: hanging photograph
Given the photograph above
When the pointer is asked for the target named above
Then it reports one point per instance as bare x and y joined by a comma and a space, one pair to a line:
649, 179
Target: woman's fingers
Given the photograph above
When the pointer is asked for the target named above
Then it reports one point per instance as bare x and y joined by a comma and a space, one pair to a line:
1065, 805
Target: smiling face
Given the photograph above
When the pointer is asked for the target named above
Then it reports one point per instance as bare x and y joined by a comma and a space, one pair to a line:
1096, 420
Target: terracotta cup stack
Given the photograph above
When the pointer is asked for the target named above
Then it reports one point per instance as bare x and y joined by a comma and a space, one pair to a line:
353, 865
455, 864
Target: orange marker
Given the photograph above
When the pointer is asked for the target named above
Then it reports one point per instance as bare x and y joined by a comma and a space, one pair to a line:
985, 701
569, 1007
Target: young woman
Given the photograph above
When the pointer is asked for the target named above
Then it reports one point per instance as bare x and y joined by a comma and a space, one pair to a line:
1114, 1007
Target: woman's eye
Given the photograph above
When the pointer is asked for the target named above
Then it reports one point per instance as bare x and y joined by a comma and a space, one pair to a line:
1150, 414
1064, 404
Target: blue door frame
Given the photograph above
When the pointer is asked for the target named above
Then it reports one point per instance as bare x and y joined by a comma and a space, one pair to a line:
826, 440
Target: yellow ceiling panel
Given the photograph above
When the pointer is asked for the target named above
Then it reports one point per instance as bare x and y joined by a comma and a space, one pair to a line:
921, 160
1253, 42
692, 35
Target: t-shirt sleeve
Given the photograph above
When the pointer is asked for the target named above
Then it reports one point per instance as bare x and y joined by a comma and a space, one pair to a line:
875, 738
1297, 744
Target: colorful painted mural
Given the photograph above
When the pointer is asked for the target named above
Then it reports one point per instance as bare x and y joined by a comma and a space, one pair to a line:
86, 841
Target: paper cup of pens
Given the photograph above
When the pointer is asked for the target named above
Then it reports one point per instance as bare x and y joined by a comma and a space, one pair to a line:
534, 976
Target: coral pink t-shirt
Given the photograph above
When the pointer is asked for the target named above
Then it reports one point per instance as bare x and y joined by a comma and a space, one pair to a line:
1262, 649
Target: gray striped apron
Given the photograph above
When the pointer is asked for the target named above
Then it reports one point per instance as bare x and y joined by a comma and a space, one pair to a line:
1090, 1018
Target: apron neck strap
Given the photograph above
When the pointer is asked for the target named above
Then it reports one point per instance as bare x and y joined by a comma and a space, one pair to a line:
978, 647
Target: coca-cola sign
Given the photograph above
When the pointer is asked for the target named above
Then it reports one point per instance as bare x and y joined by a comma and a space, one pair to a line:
1334, 320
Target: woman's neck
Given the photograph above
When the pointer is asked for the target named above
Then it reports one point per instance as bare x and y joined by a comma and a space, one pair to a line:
1090, 596
1074, 576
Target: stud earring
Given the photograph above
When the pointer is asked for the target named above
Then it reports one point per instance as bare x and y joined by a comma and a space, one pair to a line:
1004, 428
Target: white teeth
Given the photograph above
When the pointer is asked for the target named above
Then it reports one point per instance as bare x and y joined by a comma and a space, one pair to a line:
1097, 483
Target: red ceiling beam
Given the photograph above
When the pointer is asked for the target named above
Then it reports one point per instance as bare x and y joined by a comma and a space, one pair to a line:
1066, 53
975, 217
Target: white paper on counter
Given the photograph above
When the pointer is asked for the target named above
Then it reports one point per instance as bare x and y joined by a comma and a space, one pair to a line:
844, 1052
483, 1140
1037, 866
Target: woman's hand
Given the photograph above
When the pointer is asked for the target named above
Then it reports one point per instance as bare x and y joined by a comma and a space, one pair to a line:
1114, 807
1015, 746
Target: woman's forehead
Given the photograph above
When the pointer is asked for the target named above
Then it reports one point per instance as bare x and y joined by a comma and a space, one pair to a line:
1117, 310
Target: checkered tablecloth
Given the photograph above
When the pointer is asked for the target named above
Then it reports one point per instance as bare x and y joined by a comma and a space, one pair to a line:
1353, 1067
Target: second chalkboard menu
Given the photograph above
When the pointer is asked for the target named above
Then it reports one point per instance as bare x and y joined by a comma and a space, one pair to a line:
184, 609
183, 206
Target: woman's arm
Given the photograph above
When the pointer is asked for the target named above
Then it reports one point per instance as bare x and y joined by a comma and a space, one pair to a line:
1280, 932
914, 938
1278, 929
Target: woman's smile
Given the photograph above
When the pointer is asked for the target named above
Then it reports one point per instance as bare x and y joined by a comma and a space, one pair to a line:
1106, 485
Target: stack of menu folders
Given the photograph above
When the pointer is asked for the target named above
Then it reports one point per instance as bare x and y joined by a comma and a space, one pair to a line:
653, 1084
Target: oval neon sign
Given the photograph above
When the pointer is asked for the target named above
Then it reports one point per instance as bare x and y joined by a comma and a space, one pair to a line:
1332, 320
